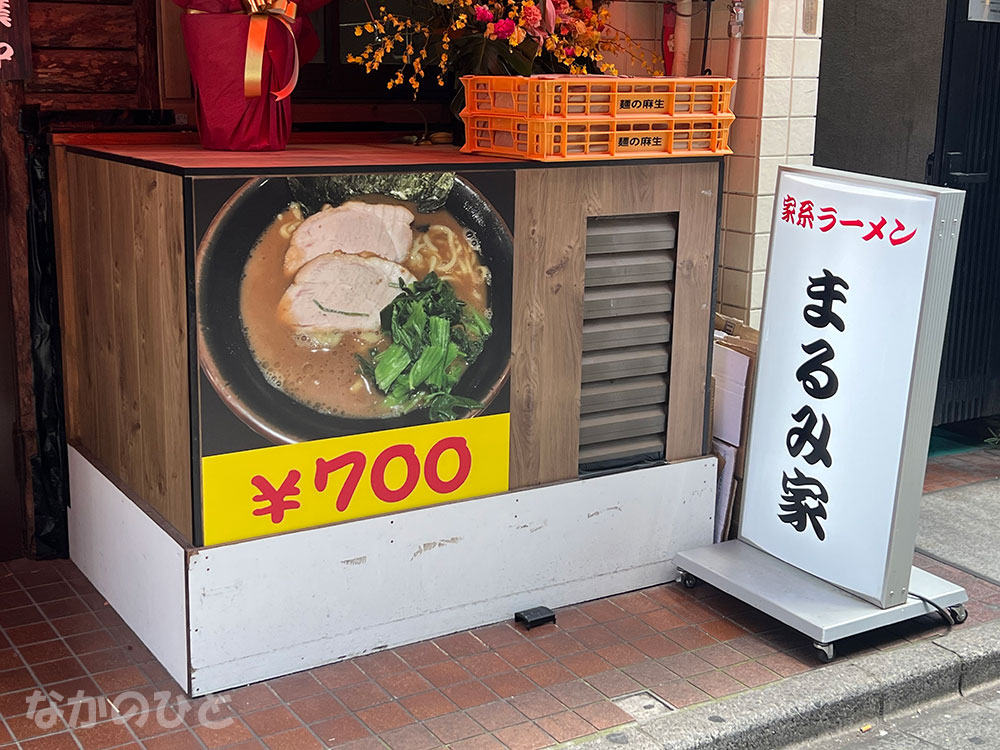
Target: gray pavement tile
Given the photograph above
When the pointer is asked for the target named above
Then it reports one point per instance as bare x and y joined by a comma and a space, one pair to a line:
912, 674
957, 725
770, 717
917, 686
960, 525
879, 737
987, 696
628, 738
978, 647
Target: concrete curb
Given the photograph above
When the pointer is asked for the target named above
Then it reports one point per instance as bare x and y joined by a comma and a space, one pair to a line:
824, 700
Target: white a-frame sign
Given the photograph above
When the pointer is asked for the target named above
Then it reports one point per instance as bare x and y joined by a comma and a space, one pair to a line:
856, 299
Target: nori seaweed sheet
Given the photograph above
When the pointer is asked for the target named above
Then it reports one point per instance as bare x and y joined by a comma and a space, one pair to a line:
428, 190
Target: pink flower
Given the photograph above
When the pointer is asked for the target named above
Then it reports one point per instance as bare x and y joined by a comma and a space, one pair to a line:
504, 28
483, 14
531, 16
569, 52
550, 16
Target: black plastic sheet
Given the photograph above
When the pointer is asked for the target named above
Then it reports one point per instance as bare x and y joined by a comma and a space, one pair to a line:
49, 478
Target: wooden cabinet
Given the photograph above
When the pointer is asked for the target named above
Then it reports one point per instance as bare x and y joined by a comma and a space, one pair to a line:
127, 243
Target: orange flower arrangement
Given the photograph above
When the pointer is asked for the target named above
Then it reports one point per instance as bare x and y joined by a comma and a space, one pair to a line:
498, 37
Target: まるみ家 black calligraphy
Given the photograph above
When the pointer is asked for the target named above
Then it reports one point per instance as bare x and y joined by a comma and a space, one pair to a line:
824, 290
799, 437
806, 374
804, 499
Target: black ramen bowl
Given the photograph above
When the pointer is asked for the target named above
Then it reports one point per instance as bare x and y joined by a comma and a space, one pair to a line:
225, 354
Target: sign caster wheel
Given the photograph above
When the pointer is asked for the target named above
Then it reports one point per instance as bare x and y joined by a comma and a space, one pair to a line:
688, 580
824, 651
958, 613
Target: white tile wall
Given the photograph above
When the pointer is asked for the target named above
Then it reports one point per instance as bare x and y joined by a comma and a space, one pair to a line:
806, 64
800, 161
778, 57
801, 135
762, 216
781, 16
804, 92
760, 249
738, 251
756, 290
774, 136
776, 97
767, 173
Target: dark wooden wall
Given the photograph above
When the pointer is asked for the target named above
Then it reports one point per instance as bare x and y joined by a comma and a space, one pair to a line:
93, 55
13, 207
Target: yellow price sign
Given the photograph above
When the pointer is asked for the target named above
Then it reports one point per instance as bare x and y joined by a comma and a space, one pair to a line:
288, 487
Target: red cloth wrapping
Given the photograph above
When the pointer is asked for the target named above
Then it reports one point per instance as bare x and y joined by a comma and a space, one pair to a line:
216, 42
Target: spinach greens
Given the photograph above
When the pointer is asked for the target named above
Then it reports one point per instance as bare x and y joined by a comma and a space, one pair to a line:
434, 337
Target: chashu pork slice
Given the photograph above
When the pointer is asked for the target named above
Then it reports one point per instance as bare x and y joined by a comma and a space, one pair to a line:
340, 292
353, 227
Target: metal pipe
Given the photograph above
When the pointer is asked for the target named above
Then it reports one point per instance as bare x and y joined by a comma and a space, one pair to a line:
708, 34
735, 38
682, 37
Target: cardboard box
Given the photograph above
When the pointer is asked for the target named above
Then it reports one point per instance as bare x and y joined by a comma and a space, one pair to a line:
729, 378
734, 366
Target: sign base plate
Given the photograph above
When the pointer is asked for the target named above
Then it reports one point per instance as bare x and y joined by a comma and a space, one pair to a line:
812, 606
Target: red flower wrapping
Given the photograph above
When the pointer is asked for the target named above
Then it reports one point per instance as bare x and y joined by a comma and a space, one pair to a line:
216, 39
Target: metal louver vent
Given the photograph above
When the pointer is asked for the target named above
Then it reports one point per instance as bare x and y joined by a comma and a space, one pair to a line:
627, 303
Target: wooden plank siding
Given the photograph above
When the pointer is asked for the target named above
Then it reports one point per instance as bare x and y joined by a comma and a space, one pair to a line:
124, 326
98, 54
81, 25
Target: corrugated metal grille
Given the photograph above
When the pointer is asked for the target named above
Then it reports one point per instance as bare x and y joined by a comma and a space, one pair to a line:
627, 303
969, 386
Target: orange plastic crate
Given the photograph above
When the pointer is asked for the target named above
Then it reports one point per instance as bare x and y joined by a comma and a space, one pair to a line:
559, 96
568, 140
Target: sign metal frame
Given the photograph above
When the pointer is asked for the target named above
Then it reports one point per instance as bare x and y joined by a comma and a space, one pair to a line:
924, 369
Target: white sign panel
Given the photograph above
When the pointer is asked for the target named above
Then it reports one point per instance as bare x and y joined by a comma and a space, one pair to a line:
984, 10
843, 304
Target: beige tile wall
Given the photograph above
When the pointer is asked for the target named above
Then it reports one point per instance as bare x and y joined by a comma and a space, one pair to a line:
775, 106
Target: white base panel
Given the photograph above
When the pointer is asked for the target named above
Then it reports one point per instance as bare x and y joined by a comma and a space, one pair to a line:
272, 606
133, 562
268, 607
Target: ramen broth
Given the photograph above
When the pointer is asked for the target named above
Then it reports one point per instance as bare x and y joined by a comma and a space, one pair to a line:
324, 375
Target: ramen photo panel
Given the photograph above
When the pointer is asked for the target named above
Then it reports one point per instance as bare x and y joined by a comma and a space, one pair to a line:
354, 341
